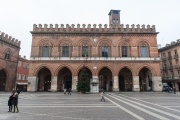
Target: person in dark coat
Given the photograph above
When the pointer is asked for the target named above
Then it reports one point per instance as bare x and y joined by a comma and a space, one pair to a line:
15, 102
10, 103
69, 91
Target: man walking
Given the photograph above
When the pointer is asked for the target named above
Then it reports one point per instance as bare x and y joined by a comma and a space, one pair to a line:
102, 95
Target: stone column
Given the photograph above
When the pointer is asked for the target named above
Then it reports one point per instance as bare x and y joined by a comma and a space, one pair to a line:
32, 84
74, 82
157, 83
94, 84
53, 83
136, 84
115, 84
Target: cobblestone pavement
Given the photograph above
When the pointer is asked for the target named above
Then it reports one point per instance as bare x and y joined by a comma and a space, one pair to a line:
118, 106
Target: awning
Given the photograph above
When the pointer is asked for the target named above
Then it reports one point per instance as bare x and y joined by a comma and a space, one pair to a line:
22, 83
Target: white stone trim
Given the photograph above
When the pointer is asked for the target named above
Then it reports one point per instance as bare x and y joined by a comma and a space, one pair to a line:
98, 58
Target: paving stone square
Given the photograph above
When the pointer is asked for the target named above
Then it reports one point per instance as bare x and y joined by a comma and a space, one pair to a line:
118, 106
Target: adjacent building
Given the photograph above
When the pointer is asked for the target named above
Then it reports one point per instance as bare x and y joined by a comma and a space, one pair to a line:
117, 57
170, 66
22, 74
9, 54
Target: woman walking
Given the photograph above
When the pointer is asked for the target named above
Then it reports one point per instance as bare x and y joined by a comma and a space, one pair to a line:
10, 103
15, 102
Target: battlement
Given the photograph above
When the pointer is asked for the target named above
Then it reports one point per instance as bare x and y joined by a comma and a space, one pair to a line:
9, 39
93, 28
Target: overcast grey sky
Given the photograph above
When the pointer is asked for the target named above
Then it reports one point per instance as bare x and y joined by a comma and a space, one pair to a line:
18, 16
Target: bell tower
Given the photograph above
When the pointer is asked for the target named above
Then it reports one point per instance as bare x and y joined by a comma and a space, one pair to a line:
114, 17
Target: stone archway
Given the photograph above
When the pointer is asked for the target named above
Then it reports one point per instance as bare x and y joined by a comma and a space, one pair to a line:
44, 80
145, 79
64, 79
105, 79
125, 80
3, 78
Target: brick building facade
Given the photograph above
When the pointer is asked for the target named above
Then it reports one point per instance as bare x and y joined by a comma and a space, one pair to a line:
170, 66
117, 58
9, 53
22, 74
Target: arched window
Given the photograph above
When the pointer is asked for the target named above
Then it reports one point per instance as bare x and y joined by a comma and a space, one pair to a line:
116, 20
7, 55
65, 51
124, 51
143, 51
45, 50
104, 51
85, 51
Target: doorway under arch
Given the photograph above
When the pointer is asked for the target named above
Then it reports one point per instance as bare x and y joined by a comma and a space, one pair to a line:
145, 79
3, 78
44, 80
64, 79
105, 79
125, 80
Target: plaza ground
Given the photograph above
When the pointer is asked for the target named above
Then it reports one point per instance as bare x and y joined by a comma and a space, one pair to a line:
118, 106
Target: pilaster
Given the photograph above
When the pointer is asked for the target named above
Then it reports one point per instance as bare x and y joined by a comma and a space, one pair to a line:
53, 83
136, 84
157, 83
115, 84
74, 82
32, 84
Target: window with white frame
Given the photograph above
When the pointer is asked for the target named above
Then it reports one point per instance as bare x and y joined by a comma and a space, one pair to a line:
24, 64
19, 64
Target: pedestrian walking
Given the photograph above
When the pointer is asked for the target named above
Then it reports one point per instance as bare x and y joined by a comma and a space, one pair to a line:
64, 91
174, 88
10, 102
15, 102
69, 91
102, 95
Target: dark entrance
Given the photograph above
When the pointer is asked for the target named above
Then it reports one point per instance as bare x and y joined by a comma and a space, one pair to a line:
47, 83
121, 83
44, 80
2, 80
67, 81
125, 80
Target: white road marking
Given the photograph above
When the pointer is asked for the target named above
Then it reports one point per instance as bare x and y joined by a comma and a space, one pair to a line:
131, 113
150, 103
142, 109
161, 111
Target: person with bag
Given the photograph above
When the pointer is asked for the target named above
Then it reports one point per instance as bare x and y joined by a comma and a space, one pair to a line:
69, 91
102, 95
10, 102
15, 102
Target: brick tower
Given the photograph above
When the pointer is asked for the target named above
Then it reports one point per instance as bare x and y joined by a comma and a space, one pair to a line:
114, 17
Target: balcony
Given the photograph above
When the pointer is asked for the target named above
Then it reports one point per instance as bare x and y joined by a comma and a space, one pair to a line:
169, 57
170, 67
176, 56
163, 59
177, 66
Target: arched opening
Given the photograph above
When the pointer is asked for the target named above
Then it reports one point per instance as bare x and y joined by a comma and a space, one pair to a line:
125, 80
145, 79
64, 79
105, 79
44, 80
3, 78
87, 71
